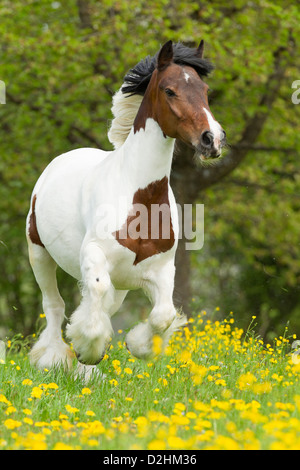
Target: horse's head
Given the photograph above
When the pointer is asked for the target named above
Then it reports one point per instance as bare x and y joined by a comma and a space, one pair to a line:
180, 104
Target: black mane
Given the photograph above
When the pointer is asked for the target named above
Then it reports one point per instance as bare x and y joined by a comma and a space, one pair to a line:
138, 78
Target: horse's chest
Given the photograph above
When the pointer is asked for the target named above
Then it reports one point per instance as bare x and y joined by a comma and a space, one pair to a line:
148, 229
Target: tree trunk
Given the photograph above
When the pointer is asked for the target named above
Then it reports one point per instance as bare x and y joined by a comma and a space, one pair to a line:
189, 179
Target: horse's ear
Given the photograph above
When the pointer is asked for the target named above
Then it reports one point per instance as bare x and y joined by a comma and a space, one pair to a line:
200, 49
165, 55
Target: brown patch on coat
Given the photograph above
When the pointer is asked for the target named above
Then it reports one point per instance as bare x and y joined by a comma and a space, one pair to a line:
144, 246
33, 232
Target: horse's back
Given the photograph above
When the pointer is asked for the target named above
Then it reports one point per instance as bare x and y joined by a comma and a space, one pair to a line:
57, 198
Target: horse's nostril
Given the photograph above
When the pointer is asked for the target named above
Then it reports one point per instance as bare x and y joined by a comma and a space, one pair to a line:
207, 139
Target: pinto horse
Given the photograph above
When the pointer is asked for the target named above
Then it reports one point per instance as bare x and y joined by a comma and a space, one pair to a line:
162, 99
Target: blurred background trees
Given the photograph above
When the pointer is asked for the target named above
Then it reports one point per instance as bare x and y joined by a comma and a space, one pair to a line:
62, 61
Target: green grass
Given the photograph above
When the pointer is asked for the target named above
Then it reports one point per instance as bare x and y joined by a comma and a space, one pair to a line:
215, 387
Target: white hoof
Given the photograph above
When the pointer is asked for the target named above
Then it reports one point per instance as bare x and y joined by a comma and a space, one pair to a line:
87, 373
139, 341
51, 354
90, 339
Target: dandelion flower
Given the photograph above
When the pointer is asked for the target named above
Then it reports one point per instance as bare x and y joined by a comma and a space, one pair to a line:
71, 409
12, 424
36, 392
157, 345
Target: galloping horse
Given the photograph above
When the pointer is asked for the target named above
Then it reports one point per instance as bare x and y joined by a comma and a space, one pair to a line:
162, 99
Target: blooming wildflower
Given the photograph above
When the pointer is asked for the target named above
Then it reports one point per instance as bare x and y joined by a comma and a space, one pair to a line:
86, 391
246, 381
28, 421
27, 382
179, 407
10, 409
260, 388
3, 399
55, 424
62, 446
157, 444
93, 442
12, 424
94, 428
71, 409
221, 382
118, 419
36, 392
175, 442
180, 420
52, 385
157, 345
225, 443
142, 426
128, 370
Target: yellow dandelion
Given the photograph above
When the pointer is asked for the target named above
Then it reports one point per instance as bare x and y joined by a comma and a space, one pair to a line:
71, 409
62, 446
27, 382
157, 345
3, 399
93, 442
10, 409
27, 420
36, 392
157, 444
52, 385
12, 424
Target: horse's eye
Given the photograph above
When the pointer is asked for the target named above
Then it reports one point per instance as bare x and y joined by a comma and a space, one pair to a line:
170, 92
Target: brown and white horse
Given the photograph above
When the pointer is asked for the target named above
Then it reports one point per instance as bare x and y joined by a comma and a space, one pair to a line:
83, 210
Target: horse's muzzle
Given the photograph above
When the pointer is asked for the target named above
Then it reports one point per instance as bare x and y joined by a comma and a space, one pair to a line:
210, 146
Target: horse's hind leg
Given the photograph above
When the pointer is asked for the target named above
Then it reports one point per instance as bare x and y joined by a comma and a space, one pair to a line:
50, 350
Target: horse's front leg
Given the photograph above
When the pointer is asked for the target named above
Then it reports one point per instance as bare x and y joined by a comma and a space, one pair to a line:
90, 328
163, 319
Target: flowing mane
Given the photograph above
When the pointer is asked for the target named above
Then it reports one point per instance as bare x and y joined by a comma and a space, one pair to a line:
128, 98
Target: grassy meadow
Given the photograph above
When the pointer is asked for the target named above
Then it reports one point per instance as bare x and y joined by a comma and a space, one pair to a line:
215, 387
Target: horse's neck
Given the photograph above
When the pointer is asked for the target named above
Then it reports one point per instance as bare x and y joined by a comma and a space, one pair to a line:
147, 155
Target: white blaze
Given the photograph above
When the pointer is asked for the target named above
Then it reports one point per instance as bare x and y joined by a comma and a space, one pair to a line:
186, 76
214, 127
